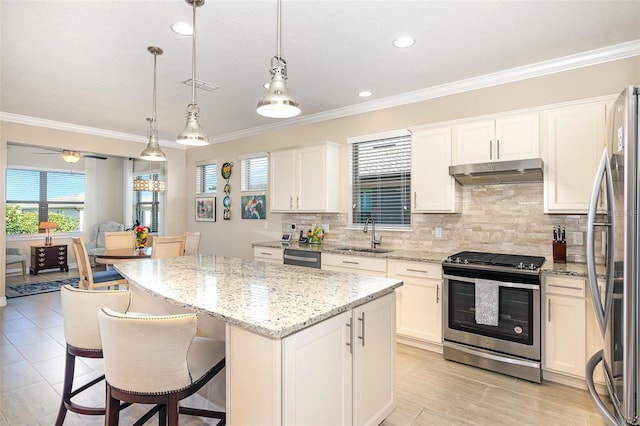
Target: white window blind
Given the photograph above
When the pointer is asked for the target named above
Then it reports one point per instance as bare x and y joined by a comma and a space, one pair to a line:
381, 172
254, 173
206, 177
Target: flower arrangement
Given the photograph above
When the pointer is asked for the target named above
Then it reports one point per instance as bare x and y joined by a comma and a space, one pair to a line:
315, 234
141, 235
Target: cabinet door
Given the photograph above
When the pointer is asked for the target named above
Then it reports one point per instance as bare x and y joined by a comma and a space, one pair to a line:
420, 309
312, 188
473, 142
564, 337
374, 361
575, 138
517, 137
433, 189
283, 181
317, 371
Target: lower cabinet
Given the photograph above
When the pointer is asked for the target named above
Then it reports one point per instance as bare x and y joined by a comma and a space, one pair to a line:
564, 325
357, 264
342, 371
419, 303
268, 254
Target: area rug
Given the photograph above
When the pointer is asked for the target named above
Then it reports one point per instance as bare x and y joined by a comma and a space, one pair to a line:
38, 288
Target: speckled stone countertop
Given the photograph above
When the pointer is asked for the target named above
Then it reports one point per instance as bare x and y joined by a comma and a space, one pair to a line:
570, 269
269, 299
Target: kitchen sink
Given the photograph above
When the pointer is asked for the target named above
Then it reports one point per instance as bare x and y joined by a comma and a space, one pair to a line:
362, 250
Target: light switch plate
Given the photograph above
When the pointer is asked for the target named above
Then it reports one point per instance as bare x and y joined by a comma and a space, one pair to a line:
438, 232
577, 239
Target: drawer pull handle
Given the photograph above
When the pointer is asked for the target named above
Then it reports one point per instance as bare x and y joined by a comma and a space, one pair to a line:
422, 271
567, 287
266, 254
350, 262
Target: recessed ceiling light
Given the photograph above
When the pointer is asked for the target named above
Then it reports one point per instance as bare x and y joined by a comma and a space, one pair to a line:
364, 94
403, 42
182, 28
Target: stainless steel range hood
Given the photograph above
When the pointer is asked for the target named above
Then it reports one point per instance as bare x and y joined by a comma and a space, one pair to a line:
516, 171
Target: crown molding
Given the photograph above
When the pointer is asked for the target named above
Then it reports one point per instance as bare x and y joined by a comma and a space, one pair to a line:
539, 69
567, 63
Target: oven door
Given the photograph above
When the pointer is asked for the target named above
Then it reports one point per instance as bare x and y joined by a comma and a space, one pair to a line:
518, 329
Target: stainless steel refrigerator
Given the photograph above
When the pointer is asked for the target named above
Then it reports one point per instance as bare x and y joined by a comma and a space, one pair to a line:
614, 214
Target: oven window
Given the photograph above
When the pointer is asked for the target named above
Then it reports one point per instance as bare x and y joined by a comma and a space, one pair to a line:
515, 313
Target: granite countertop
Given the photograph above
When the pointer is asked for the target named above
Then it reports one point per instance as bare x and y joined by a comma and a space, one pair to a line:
549, 267
269, 299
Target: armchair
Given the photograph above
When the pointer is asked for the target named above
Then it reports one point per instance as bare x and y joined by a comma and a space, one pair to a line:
96, 241
14, 255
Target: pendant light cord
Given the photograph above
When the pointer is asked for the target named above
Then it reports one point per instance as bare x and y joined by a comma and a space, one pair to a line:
153, 111
279, 30
193, 56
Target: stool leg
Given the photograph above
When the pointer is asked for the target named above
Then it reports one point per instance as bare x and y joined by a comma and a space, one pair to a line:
172, 410
69, 369
112, 409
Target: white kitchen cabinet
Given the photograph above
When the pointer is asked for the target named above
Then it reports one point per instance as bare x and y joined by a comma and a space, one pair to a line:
433, 189
512, 137
342, 370
419, 303
573, 141
564, 325
305, 179
356, 264
268, 254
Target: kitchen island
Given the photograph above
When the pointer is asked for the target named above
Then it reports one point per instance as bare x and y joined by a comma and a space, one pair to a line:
302, 345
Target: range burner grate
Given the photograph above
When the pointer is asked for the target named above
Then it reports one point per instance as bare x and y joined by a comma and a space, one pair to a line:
497, 259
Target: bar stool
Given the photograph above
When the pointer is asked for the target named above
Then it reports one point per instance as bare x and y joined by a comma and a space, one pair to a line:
80, 318
157, 360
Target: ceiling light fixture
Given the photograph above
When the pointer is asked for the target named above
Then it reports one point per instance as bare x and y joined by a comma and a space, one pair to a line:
277, 103
364, 94
152, 152
404, 42
192, 133
70, 156
182, 28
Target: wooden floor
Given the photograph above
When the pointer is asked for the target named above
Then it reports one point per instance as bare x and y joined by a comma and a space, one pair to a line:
430, 390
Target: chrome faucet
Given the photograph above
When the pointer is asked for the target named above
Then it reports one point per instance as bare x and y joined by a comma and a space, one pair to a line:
374, 242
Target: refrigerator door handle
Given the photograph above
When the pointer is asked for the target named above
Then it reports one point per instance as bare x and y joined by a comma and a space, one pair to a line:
603, 175
591, 387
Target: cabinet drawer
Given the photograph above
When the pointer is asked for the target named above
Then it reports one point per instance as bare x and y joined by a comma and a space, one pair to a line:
554, 284
355, 262
268, 253
415, 269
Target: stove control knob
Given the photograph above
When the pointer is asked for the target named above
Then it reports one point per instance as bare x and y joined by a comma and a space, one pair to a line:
520, 266
466, 261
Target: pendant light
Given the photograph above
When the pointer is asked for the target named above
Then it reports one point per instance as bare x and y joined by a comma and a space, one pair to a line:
192, 133
152, 152
277, 103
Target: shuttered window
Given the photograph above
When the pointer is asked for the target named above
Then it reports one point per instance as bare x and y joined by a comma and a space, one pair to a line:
381, 173
206, 177
35, 196
254, 173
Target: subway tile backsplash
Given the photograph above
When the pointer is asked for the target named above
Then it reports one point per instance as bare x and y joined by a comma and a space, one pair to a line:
504, 218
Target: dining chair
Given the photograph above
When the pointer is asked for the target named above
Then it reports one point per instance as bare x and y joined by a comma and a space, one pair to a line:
90, 280
163, 247
119, 240
14, 255
157, 360
191, 243
82, 337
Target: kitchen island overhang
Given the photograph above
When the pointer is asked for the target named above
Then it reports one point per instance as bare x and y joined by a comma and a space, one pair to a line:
266, 307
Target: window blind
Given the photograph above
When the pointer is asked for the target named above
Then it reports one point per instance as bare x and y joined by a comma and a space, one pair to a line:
254, 173
206, 178
381, 173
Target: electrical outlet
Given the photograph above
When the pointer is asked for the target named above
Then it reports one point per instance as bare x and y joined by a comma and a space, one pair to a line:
438, 232
325, 227
577, 239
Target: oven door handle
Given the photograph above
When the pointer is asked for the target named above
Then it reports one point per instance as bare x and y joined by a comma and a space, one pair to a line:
501, 283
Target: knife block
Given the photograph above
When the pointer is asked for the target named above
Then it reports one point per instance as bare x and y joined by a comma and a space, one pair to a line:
559, 252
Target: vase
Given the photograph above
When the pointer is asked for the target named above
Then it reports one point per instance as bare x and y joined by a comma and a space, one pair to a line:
141, 240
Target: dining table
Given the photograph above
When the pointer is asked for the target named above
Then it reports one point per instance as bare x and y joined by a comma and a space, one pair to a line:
120, 255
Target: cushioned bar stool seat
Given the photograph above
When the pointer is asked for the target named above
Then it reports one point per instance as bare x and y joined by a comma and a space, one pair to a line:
157, 360
81, 333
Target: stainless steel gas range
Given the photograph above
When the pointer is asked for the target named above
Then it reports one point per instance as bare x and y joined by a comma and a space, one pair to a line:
492, 312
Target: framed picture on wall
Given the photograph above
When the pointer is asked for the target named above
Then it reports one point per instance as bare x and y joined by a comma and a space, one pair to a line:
254, 206
205, 209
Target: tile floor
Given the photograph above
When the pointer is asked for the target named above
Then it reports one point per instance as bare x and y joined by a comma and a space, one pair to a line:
430, 390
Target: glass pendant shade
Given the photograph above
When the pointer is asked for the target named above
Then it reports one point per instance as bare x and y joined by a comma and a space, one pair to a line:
277, 103
150, 185
192, 134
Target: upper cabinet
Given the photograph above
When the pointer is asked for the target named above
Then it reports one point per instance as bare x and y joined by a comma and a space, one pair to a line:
573, 141
512, 137
305, 179
433, 190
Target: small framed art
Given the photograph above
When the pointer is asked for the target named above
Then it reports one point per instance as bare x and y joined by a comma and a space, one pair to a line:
205, 209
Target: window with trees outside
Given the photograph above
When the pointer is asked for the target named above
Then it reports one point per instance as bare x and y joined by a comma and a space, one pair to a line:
35, 196
147, 204
381, 180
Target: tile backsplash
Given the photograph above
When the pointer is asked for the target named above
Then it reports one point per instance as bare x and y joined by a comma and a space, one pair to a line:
504, 218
